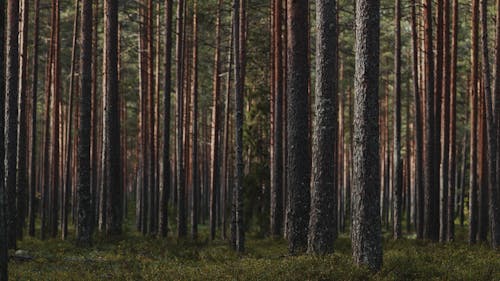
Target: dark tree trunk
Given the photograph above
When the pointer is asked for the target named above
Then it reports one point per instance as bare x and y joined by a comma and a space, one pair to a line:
3, 192
181, 204
431, 212
22, 179
419, 183
494, 209
298, 126
95, 121
11, 115
85, 211
453, 125
398, 169
69, 136
34, 98
194, 134
239, 231
276, 211
214, 152
165, 191
323, 219
473, 186
366, 228
112, 119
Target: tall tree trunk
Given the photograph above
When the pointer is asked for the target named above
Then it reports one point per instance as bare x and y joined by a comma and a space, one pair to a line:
56, 101
473, 205
85, 211
3, 192
22, 184
494, 209
181, 205
323, 219
214, 153
453, 125
366, 229
95, 121
298, 126
165, 192
34, 103
194, 137
445, 122
419, 183
431, 213
112, 119
69, 136
11, 115
398, 169
238, 12
276, 212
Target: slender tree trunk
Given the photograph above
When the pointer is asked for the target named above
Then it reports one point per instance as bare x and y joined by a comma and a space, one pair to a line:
453, 125
276, 212
165, 192
214, 153
112, 119
22, 180
85, 211
34, 98
419, 183
94, 164
494, 209
445, 122
323, 219
366, 229
4, 258
398, 169
238, 12
194, 137
473, 205
298, 126
69, 137
11, 115
181, 205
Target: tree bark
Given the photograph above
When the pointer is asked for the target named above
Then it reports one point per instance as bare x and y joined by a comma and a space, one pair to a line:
194, 134
323, 219
494, 209
165, 191
4, 258
11, 115
298, 126
398, 169
366, 228
112, 119
85, 211
473, 205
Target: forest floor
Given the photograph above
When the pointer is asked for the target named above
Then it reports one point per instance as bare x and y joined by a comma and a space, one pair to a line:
134, 257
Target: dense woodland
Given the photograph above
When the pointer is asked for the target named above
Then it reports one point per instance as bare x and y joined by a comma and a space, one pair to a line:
300, 125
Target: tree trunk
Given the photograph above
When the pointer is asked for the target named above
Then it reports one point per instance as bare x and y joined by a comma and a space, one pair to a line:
214, 152
323, 218
366, 228
453, 125
276, 211
398, 169
494, 209
85, 211
112, 119
69, 137
165, 191
3, 192
194, 137
11, 115
298, 126
473, 206
239, 238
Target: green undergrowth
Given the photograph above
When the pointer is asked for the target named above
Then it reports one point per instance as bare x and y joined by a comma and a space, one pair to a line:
134, 257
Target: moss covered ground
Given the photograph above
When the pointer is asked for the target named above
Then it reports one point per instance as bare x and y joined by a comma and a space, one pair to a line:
134, 257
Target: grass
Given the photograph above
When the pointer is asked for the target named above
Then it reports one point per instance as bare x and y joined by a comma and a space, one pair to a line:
134, 257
